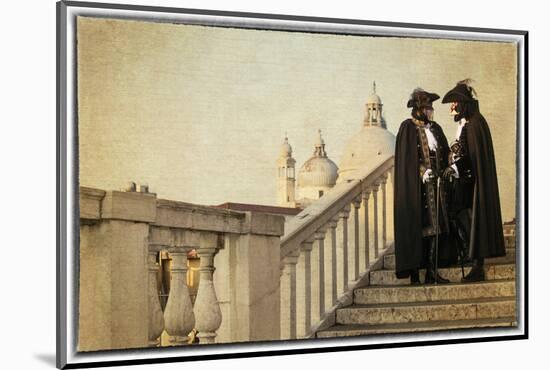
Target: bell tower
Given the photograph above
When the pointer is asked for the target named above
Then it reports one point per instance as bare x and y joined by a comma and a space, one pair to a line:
286, 179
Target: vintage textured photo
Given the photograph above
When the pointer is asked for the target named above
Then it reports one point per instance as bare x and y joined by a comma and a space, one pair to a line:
243, 185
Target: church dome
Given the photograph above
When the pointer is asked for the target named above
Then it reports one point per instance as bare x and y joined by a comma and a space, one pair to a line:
318, 171
365, 149
374, 99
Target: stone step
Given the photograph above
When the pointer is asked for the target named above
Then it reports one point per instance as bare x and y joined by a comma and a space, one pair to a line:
377, 314
432, 293
510, 257
355, 330
492, 272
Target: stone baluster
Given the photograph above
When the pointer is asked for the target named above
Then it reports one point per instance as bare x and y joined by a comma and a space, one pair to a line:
207, 307
356, 206
156, 317
318, 277
303, 304
383, 181
288, 296
365, 196
179, 317
375, 217
332, 280
344, 263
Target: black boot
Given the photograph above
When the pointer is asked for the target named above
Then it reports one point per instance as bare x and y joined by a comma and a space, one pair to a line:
477, 273
462, 251
415, 277
462, 224
430, 269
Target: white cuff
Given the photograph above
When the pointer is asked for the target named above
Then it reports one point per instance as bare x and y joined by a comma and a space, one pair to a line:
456, 171
426, 175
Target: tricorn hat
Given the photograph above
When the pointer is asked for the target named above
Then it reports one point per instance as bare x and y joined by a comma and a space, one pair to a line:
462, 92
421, 99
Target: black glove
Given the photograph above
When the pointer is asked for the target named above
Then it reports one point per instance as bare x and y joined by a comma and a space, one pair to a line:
448, 173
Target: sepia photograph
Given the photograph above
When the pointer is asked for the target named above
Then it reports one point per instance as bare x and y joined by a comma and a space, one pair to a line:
240, 184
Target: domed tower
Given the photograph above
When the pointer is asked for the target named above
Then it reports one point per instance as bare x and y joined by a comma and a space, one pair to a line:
317, 175
368, 145
286, 181
373, 116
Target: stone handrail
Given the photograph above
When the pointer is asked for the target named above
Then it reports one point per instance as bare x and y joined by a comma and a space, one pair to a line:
318, 276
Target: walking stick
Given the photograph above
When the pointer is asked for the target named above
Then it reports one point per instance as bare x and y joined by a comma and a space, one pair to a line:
461, 253
473, 224
437, 228
456, 226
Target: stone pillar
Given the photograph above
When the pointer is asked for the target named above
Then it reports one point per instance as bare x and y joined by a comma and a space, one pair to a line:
356, 206
375, 226
384, 215
331, 282
207, 309
365, 197
225, 280
156, 317
179, 317
343, 260
303, 289
114, 276
254, 258
318, 276
390, 187
288, 296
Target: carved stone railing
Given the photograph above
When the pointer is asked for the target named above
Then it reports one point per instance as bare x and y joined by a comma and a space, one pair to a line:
322, 261
122, 235
180, 316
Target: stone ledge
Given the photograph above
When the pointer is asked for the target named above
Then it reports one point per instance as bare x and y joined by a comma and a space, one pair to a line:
183, 215
359, 330
433, 293
492, 272
264, 224
510, 257
486, 308
129, 206
90, 203
96, 204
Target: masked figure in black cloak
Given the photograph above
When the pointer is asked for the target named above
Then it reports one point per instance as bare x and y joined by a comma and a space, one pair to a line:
474, 203
421, 155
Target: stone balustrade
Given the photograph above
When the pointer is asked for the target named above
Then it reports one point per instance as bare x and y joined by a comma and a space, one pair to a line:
322, 260
122, 234
253, 285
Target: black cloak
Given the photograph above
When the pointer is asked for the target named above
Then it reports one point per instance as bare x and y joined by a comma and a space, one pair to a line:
489, 237
410, 248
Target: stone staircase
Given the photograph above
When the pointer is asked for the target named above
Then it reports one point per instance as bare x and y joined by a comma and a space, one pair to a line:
391, 305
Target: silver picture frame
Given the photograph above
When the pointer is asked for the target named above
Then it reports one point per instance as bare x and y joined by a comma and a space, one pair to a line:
68, 208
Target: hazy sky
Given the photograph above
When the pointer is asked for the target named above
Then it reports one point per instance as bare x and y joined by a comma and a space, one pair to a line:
199, 113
